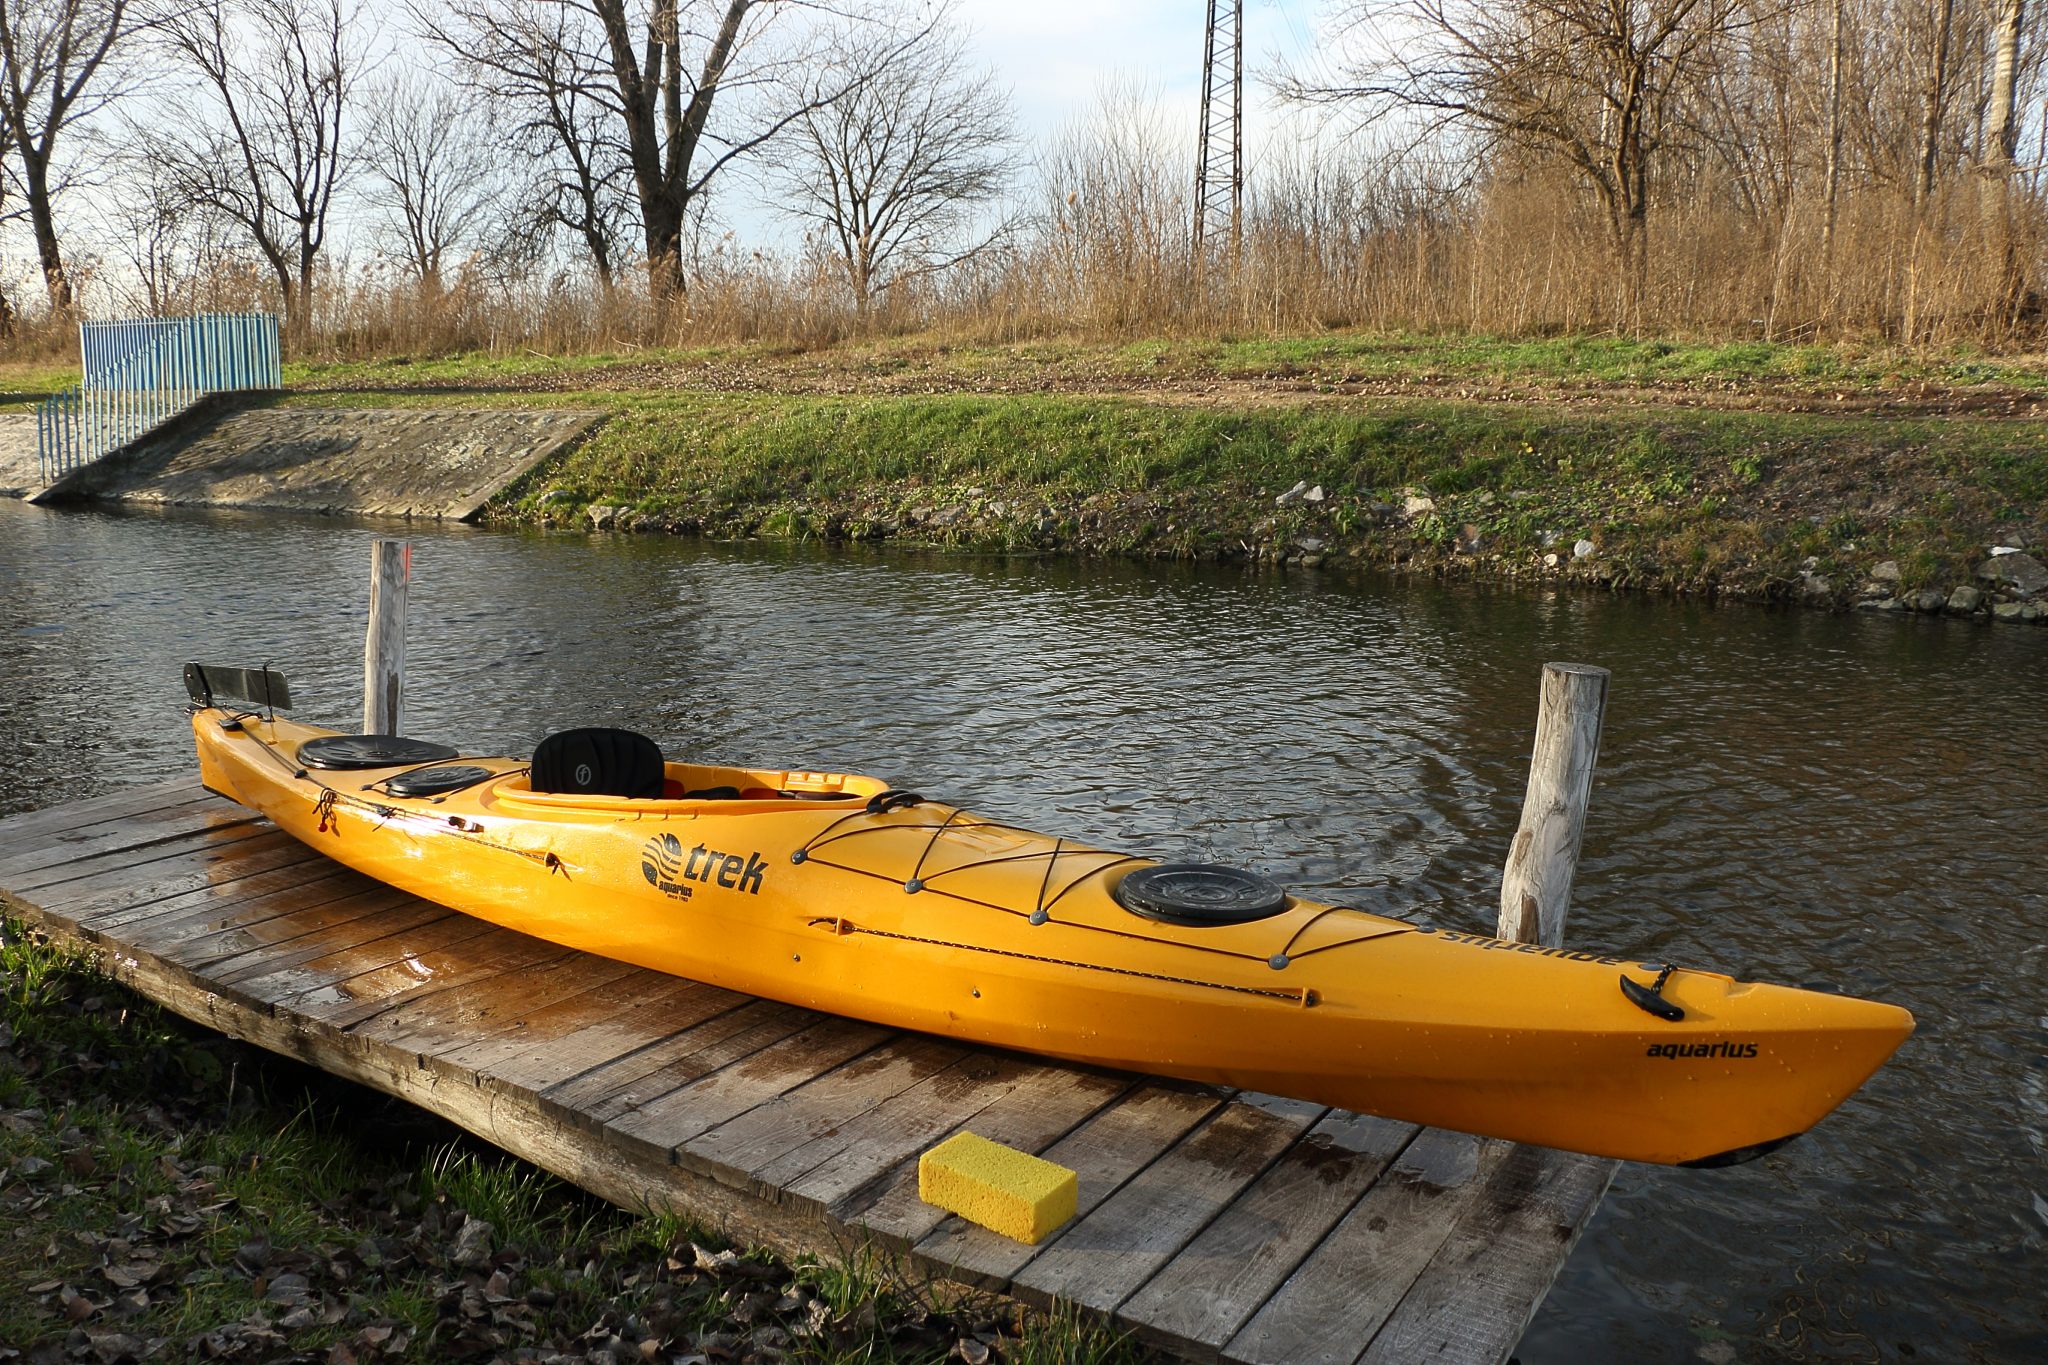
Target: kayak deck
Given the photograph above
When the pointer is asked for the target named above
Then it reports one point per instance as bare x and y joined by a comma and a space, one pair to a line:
1220, 1226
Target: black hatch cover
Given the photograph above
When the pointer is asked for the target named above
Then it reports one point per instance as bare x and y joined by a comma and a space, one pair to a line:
1200, 894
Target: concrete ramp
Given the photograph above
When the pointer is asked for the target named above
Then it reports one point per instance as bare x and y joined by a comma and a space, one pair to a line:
21, 472
401, 462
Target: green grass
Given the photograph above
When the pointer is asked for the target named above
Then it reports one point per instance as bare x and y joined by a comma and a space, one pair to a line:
137, 1148
1672, 498
25, 383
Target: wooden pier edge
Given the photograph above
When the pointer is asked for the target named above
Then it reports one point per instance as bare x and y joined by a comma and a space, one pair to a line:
1219, 1228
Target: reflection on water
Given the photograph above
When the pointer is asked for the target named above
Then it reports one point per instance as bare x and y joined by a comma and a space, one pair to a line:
1791, 796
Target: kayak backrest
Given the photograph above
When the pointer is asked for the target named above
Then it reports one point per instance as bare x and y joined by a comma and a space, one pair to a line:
598, 762
209, 684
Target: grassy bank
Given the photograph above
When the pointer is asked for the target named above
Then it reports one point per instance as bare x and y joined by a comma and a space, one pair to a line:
168, 1194
1747, 469
1747, 503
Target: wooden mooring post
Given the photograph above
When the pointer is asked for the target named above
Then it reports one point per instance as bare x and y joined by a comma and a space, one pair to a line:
1536, 889
384, 646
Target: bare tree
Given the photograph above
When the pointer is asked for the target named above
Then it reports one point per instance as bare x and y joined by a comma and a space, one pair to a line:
273, 148
1602, 84
689, 88
900, 148
532, 63
54, 54
435, 171
181, 256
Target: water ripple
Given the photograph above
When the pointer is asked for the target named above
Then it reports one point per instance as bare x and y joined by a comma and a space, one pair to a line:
1793, 796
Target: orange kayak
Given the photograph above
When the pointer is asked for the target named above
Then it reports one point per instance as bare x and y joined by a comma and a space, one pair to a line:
829, 891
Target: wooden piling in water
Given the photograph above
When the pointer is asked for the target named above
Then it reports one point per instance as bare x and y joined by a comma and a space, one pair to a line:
1536, 889
384, 645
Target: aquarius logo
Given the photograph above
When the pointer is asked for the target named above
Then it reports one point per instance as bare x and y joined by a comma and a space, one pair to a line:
661, 862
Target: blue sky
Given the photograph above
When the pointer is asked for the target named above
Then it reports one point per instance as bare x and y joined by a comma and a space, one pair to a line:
1056, 55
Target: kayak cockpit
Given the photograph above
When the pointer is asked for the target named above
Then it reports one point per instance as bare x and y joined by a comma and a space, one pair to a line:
609, 770
691, 788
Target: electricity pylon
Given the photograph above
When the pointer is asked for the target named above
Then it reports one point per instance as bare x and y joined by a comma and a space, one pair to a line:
1219, 157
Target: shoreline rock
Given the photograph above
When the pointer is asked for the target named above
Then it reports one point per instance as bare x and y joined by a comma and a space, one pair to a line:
1293, 533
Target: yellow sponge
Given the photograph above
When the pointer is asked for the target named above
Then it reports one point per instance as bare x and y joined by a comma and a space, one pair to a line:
999, 1187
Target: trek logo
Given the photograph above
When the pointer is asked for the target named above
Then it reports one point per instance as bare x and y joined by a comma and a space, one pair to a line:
661, 862
667, 866
1721, 1049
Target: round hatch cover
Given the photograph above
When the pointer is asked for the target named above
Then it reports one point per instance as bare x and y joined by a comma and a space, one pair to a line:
449, 777
370, 751
1200, 894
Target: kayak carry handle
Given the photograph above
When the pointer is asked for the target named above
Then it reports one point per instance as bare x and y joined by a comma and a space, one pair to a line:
881, 803
1649, 998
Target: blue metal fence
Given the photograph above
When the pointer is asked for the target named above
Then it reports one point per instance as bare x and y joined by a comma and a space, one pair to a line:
139, 375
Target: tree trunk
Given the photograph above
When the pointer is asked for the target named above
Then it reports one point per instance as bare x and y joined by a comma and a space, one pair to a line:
665, 274
2001, 134
2001, 129
1930, 126
1834, 161
35, 178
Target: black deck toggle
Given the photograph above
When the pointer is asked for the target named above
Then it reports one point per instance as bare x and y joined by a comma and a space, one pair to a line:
1650, 998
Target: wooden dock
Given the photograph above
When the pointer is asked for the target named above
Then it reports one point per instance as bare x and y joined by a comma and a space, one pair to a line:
1219, 1227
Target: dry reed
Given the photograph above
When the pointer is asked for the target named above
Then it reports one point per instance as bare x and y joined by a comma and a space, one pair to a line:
1384, 246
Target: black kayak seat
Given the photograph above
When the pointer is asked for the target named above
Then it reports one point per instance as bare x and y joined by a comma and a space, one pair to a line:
598, 762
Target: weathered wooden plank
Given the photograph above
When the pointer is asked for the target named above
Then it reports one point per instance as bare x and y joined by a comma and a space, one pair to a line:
248, 945
230, 953
434, 958
73, 843
292, 885
111, 866
1206, 1293
386, 934
1476, 1297
112, 917
81, 901
1044, 1105
93, 810
622, 1085
549, 1046
1103, 1153
473, 1008
159, 878
864, 1150
1103, 1258
756, 1078
795, 1130
1348, 1287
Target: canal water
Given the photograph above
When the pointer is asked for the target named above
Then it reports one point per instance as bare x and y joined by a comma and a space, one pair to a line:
1788, 796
